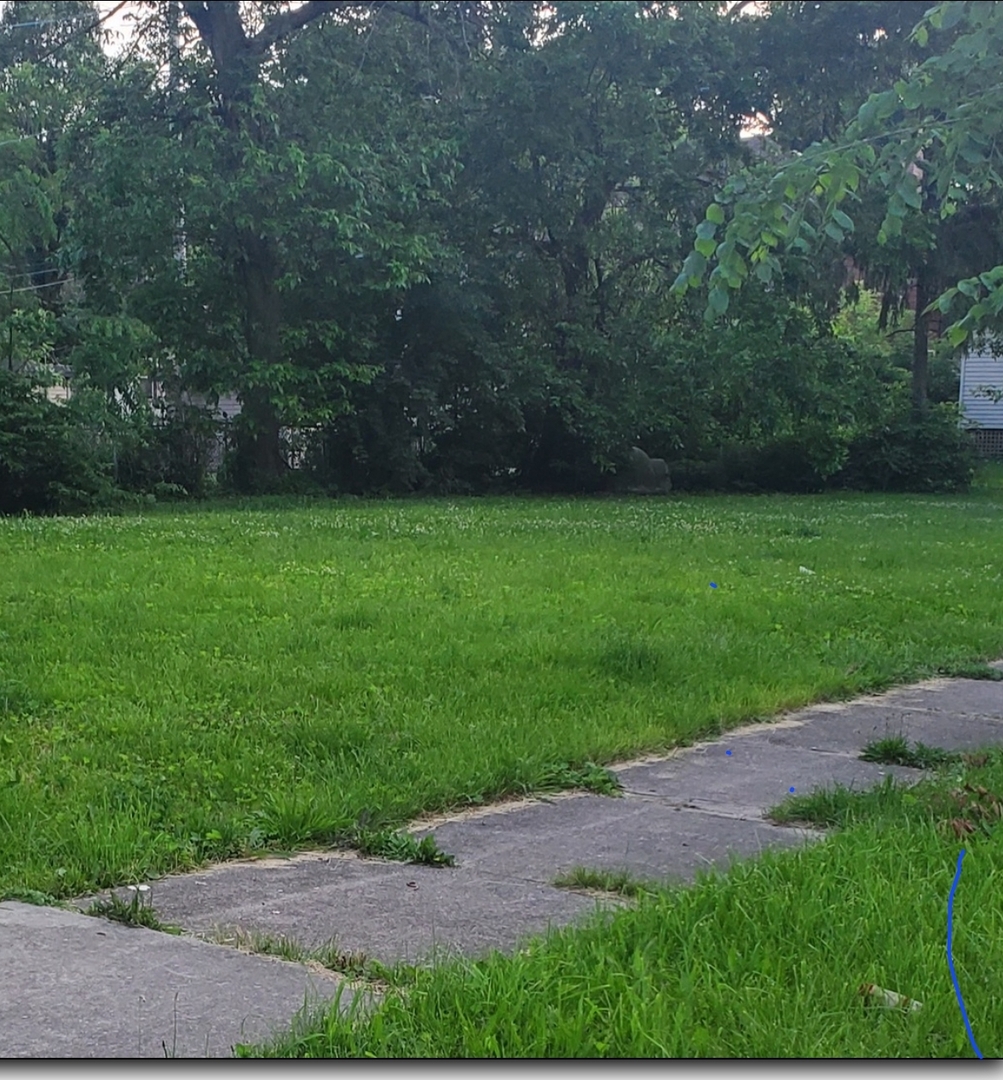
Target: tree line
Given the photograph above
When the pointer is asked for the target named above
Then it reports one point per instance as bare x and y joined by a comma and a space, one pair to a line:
489, 246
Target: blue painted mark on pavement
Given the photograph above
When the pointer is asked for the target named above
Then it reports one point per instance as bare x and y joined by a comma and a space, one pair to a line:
950, 959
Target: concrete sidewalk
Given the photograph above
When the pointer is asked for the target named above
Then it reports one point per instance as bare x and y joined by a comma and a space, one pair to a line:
74, 985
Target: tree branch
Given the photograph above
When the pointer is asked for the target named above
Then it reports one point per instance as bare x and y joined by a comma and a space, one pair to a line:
737, 9
288, 22
211, 16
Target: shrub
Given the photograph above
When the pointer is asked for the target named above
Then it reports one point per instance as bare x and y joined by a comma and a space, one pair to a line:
50, 462
912, 452
171, 456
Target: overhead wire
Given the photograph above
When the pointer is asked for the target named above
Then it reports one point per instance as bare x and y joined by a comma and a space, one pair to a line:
62, 45
33, 288
83, 29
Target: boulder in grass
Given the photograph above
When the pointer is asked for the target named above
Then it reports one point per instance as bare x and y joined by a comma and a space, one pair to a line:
642, 475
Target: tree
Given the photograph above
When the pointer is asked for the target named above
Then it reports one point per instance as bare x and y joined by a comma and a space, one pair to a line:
586, 133
284, 184
49, 55
926, 148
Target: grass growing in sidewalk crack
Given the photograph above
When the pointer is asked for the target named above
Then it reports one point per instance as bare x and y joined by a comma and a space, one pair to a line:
401, 846
838, 806
961, 800
589, 777
617, 882
36, 898
131, 912
356, 966
897, 751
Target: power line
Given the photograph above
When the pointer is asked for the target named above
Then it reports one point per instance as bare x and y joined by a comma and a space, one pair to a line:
37, 22
32, 288
83, 30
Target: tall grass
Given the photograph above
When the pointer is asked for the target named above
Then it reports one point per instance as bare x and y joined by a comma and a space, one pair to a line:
766, 960
183, 686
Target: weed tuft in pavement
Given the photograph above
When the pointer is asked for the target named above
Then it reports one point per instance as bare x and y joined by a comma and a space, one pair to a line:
400, 846
896, 751
618, 882
590, 777
130, 912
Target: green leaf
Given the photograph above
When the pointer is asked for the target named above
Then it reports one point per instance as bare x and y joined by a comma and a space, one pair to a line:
718, 300
877, 107
908, 192
951, 14
695, 264
706, 230
956, 334
945, 300
715, 214
844, 221
706, 247
867, 113
834, 232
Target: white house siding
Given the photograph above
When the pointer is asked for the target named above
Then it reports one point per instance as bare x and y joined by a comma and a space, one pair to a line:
229, 405
981, 370
981, 375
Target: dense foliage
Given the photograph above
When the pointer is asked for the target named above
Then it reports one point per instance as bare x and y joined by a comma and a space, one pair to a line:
445, 246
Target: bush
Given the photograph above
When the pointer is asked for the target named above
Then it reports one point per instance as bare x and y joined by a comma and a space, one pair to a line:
782, 465
910, 452
904, 453
172, 456
50, 462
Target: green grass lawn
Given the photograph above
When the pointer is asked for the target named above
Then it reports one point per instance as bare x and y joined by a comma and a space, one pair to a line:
766, 960
194, 684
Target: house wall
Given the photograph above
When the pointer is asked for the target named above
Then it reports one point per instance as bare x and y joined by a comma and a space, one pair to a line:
980, 370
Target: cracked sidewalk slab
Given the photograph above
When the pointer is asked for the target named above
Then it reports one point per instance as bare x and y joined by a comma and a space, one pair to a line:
76, 986
499, 892
693, 809
386, 911
822, 732
978, 697
755, 777
698, 808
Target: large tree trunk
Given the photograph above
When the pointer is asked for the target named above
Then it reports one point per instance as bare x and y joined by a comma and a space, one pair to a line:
259, 272
237, 58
